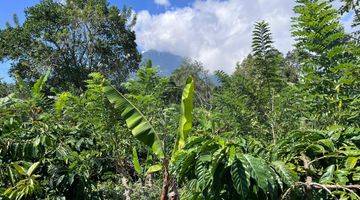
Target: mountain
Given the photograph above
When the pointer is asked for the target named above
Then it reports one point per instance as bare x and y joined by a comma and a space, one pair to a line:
167, 62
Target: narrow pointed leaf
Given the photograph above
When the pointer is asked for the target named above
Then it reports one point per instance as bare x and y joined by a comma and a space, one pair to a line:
19, 169
32, 168
186, 113
40, 83
136, 162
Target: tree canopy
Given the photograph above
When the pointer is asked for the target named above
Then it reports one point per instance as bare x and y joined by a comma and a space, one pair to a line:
73, 38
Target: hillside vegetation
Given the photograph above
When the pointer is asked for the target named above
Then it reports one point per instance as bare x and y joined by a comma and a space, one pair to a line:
77, 125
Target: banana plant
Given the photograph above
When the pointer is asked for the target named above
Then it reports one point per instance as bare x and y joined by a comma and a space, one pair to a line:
143, 131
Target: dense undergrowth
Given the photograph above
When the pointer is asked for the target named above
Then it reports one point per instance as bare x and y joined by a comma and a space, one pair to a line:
277, 128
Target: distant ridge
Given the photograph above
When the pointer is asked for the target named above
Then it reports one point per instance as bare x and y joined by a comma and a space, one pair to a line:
167, 62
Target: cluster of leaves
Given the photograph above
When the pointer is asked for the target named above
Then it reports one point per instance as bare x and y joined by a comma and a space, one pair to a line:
54, 148
214, 168
307, 124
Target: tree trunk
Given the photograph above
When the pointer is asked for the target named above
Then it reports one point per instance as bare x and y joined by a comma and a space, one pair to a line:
127, 191
273, 116
308, 181
174, 195
166, 180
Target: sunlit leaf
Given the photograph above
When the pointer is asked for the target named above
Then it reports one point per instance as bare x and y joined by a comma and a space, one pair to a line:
186, 113
154, 168
32, 168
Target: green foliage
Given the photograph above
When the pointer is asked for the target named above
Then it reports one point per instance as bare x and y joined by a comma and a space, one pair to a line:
135, 120
136, 162
278, 128
5, 89
353, 7
253, 96
319, 33
330, 64
262, 40
185, 125
26, 187
83, 152
213, 168
203, 84
74, 39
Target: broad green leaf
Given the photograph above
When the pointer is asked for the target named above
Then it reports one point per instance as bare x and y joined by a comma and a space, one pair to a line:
232, 155
259, 171
135, 120
32, 168
203, 174
288, 176
205, 158
154, 168
350, 162
186, 113
327, 143
136, 162
341, 177
37, 141
240, 178
328, 176
316, 148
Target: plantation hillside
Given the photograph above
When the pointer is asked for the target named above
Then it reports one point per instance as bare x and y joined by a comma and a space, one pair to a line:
85, 118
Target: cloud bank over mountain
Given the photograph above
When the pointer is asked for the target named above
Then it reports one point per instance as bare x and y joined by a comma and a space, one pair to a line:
217, 33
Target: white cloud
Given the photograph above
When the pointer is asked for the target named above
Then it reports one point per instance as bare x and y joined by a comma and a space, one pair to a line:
162, 2
216, 32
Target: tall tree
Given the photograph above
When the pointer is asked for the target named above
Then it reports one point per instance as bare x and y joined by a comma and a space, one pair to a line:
267, 64
203, 83
329, 62
73, 38
348, 6
249, 97
267, 58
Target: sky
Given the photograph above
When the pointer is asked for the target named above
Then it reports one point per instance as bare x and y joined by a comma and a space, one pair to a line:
215, 32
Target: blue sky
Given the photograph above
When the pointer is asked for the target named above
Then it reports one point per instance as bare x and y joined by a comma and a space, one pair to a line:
10, 7
214, 32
